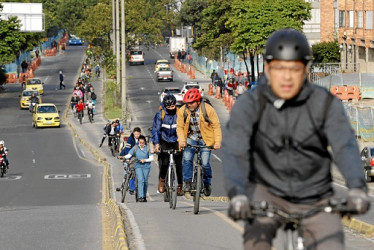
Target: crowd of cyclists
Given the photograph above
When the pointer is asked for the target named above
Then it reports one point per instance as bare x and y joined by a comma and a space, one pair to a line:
274, 146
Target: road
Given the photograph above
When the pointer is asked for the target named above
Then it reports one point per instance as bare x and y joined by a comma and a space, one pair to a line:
50, 199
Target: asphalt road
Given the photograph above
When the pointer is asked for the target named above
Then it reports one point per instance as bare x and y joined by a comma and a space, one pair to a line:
50, 199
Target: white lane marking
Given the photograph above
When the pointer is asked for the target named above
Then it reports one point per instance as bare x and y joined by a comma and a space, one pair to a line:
11, 178
46, 79
66, 176
215, 156
33, 161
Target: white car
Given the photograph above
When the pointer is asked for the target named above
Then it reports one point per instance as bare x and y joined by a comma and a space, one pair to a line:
192, 85
174, 91
164, 73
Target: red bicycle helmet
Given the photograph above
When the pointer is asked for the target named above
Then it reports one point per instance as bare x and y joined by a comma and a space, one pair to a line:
192, 95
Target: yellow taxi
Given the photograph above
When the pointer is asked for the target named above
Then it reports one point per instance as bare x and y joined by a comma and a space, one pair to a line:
35, 84
161, 64
45, 115
24, 102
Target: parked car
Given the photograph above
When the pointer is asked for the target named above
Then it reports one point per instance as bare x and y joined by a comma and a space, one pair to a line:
164, 74
136, 56
45, 115
174, 91
24, 102
367, 157
161, 64
192, 85
35, 84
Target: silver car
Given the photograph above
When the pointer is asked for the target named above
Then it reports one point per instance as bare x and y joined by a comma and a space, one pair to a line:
164, 73
367, 157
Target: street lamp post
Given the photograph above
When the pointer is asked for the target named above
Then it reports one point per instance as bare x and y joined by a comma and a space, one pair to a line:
117, 48
123, 51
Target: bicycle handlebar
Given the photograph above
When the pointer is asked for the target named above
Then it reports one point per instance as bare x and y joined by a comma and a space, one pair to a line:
200, 146
264, 209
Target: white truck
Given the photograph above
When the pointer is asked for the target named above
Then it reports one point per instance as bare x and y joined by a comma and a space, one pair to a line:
175, 44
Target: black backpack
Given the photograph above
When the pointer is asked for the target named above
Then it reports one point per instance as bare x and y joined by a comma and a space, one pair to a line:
93, 96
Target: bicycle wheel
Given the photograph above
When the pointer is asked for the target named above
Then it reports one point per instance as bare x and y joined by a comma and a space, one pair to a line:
112, 148
197, 190
173, 188
136, 189
80, 117
125, 187
166, 193
90, 116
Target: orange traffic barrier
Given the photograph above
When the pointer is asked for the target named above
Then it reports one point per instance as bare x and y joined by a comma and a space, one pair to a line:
22, 77
183, 68
192, 76
218, 92
229, 102
11, 77
30, 73
232, 103
225, 97
210, 90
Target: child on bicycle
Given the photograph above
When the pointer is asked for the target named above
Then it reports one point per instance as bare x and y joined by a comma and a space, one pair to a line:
142, 166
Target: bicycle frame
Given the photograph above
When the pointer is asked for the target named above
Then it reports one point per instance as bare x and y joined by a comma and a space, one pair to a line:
171, 189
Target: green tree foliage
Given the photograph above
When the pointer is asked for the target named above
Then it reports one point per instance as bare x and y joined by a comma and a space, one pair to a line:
326, 52
191, 14
11, 40
214, 35
252, 22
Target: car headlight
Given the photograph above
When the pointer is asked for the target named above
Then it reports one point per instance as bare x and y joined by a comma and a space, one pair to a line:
40, 118
57, 118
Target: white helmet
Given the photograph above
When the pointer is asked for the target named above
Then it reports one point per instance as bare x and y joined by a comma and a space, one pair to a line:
2, 142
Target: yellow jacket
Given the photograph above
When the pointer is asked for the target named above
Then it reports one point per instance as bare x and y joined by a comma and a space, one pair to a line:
211, 132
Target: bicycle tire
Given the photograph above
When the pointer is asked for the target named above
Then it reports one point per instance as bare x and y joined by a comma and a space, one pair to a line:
2, 172
112, 147
198, 190
125, 188
173, 184
136, 188
90, 117
166, 193
80, 117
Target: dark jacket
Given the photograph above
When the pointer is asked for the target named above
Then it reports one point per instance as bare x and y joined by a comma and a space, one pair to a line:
166, 129
109, 128
130, 143
286, 154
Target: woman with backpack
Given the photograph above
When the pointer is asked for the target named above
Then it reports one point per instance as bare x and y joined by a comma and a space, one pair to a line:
144, 157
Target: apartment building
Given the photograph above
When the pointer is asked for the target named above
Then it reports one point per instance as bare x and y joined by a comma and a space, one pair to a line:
356, 34
312, 27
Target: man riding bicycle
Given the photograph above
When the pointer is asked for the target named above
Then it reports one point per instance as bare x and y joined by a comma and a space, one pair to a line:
194, 129
164, 137
275, 149
112, 131
80, 107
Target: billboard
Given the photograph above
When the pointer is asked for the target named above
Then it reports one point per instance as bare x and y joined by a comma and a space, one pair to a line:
30, 14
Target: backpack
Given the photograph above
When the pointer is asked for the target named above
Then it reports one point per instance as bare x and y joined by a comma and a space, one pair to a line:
203, 100
93, 96
163, 113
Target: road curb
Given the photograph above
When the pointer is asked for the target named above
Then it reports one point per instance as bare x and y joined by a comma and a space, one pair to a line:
114, 236
359, 226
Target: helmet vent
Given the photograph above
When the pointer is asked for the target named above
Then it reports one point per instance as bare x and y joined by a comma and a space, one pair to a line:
280, 47
296, 48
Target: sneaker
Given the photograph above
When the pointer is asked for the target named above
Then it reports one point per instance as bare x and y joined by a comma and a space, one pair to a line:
187, 186
161, 185
180, 190
131, 192
207, 189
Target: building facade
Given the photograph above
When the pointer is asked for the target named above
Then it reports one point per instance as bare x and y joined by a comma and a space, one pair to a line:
356, 35
312, 27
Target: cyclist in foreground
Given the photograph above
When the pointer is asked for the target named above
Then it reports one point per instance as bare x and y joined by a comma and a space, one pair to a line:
275, 148
164, 137
193, 129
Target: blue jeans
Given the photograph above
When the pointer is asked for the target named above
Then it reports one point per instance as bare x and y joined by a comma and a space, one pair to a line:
142, 173
188, 156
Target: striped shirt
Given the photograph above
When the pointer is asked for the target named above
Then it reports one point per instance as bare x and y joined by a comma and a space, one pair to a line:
194, 131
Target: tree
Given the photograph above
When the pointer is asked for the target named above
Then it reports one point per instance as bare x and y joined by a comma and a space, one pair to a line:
326, 52
11, 40
252, 22
214, 36
191, 14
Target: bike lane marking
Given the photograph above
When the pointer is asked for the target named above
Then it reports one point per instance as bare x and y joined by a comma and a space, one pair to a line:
11, 178
66, 176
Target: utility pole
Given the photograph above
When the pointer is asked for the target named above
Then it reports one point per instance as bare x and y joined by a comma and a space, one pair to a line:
118, 55
114, 26
123, 51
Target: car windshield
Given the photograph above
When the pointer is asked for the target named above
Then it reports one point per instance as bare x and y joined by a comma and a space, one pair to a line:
136, 53
172, 91
34, 81
192, 87
163, 63
29, 93
165, 69
47, 109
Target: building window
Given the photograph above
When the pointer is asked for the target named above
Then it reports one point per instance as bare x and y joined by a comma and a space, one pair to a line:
360, 19
342, 18
369, 20
351, 19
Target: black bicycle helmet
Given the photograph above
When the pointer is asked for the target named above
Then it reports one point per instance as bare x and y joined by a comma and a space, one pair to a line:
289, 45
169, 100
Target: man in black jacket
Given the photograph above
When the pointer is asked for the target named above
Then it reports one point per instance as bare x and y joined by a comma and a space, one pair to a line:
275, 148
